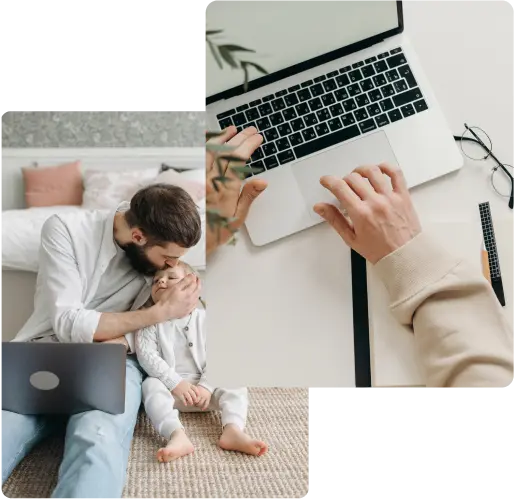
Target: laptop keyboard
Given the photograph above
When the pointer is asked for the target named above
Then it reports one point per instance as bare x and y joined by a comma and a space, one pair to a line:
330, 109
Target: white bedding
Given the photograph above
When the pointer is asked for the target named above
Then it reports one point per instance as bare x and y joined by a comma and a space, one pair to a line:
21, 231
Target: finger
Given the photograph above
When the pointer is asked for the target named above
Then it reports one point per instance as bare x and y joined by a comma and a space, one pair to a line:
396, 175
342, 191
193, 395
251, 190
336, 219
205, 404
245, 142
375, 177
189, 282
360, 185
184, 401
188, 399
196, 391
227, 134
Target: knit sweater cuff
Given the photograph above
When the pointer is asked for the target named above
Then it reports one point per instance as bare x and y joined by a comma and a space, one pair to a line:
411, 268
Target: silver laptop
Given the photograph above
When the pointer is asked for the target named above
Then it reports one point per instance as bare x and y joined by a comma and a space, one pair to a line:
63, 378
345, 88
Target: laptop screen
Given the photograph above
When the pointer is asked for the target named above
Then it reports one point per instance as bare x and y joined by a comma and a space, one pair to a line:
284, 34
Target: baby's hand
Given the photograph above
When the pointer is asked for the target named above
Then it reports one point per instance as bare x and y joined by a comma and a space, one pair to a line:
186, 392
204, 398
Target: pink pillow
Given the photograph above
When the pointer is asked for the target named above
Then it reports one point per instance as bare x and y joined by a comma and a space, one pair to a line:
53, 185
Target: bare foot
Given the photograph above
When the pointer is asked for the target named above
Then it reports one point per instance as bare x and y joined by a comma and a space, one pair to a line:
235, 439
178, 446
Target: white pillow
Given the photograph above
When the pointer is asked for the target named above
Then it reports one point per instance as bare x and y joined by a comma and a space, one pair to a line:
194, 188
107, 189
21, 235
197, 175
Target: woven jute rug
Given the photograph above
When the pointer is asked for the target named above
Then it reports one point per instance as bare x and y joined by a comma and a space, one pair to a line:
277, 416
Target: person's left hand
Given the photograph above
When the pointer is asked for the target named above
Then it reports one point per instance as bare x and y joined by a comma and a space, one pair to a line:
204, 397
230, 201
121, 340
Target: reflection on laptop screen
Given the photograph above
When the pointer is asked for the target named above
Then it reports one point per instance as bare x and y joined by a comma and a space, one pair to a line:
287, 33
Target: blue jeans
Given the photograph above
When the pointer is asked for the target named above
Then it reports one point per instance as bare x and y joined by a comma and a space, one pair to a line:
96, 449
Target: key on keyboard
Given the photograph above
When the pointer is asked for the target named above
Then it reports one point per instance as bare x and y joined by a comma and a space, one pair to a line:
330, 108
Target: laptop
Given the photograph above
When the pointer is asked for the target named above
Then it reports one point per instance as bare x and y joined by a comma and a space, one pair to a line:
344, 88
63, 378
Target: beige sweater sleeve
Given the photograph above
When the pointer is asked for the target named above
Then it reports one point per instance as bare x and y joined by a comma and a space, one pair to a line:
461, 334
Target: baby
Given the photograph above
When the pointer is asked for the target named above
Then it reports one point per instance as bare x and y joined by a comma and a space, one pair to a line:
173, 354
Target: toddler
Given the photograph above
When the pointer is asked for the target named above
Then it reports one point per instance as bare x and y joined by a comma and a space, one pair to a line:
173, 354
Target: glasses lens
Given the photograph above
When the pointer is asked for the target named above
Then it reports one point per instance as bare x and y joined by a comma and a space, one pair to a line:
473, 148
501, 181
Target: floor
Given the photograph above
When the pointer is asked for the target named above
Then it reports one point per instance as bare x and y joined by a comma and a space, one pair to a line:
278, 416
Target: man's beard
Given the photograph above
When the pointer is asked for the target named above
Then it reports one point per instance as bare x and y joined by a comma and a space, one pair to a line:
138, 259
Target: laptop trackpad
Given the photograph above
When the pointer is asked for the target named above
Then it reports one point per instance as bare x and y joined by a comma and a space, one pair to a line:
339, 161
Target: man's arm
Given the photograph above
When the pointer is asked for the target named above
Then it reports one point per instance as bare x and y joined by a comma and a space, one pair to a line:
461, 334
61, 287
147, 350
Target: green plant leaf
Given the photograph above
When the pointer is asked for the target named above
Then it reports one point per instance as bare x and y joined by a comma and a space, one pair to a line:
212, 135
211, 32
218, 147
229, 157
258, 67
235, 48
227, 56
222, 179
246, 169
212, 48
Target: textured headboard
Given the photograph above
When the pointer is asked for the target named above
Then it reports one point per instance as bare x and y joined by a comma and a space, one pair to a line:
92, 158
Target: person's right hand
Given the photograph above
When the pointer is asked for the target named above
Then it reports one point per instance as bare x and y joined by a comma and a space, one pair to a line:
381, 216
179, 299
186, 393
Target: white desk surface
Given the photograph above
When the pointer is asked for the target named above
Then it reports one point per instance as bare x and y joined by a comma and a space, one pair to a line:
466, 51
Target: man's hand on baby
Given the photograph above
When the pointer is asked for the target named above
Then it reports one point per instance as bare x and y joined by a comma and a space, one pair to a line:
381, 216
186, 392
204, 398
179, 299
231, 199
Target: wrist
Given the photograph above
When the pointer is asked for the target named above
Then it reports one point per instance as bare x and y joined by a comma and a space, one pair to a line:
157, 313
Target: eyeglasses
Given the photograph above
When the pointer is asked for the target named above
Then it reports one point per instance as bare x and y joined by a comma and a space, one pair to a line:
477, 145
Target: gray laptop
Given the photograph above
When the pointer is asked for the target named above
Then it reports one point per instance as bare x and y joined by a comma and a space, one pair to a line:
63, 378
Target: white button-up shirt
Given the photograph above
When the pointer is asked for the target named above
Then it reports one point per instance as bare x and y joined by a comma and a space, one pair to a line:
76, 250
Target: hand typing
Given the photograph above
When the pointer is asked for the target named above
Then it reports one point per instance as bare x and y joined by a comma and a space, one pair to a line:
379, 207
186, 392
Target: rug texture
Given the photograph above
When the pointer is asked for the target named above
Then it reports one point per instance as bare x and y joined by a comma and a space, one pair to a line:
277, 416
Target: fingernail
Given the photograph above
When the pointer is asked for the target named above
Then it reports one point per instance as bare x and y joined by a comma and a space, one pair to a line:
319, 211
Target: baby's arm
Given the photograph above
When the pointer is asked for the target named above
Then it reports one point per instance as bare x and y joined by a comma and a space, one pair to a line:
202, 331
147, 349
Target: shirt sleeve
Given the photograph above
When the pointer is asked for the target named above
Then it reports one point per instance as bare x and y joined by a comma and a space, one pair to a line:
60, 286
461, 334
202, 332
148, 355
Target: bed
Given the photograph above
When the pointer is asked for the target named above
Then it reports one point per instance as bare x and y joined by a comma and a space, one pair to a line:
21, 226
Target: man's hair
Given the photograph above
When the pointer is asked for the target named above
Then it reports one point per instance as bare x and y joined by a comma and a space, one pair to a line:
165, 214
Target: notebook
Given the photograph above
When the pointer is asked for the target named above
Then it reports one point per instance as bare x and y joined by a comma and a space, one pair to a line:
393, 356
